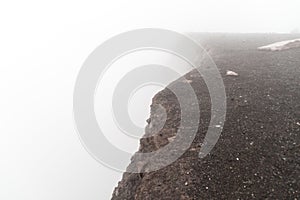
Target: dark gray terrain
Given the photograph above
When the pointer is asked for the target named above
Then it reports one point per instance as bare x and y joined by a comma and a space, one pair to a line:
258, 153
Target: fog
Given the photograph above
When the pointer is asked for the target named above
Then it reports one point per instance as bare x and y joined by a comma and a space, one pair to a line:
44, 44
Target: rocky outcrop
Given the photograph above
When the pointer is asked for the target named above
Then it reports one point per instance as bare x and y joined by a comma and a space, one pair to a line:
258, 153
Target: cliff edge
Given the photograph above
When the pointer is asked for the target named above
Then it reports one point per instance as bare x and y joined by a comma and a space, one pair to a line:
258, 153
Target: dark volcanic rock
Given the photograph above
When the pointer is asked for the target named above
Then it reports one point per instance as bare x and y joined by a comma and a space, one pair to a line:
258, 153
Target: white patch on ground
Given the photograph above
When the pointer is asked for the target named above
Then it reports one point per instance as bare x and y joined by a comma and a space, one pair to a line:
187, 81
171, 139
283, 45
231, 73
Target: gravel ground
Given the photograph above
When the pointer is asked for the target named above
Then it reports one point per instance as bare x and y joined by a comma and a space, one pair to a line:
258, 153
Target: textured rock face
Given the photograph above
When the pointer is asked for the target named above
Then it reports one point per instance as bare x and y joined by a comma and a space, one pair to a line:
258, 153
